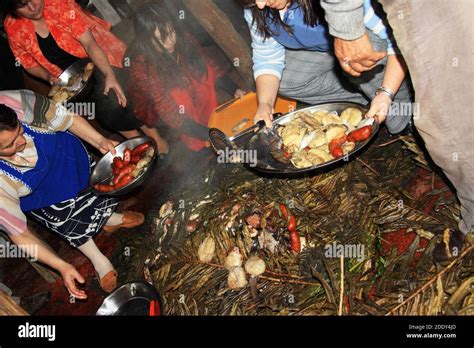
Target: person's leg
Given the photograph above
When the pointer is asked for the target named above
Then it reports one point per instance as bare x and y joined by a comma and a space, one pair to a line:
436, 39
101, 263
315, 78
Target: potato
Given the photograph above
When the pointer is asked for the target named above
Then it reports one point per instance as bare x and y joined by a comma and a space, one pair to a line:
318, 140
348, 147
54, 90
144, 162
352, 116
329, 119
150, 152
322, 154
335, 132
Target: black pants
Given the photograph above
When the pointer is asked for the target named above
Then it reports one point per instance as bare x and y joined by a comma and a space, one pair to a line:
109, 113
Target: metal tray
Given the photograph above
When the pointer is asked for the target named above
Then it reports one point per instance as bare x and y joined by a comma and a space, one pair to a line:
77, 69
131, 299
102, 172
264, 142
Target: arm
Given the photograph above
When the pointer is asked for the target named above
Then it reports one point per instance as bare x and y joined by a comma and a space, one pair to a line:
13, 221
83, 129
267, 92
226, 84
43, 74
351, 44
395, 73
268, 65
56, 118
99, 58
27, 61
48, 257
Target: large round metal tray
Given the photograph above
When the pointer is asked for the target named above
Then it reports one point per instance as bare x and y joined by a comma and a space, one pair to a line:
77, 69
131, 299
264, 142
102, 172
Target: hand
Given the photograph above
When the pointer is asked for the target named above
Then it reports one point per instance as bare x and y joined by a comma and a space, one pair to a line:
265, 113
112, 83
379, 107
239, 94
106, 145
70, 275
357, 56
53, 80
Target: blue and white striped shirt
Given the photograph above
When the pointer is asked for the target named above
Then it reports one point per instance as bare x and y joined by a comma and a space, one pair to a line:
269, 54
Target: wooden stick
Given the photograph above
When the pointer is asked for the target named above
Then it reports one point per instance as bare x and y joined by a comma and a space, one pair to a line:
432, 280
388, 143
368, 167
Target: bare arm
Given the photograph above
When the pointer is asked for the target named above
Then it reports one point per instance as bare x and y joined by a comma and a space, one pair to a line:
43, 74
99, 58
83, 129
267, 92
48, 257
395, 73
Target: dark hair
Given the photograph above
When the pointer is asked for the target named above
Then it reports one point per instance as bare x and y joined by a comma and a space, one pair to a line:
311, 9
153, 16
8, 118
9, 7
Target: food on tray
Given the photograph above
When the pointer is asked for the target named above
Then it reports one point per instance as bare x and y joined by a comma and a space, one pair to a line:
352, 116
60, 94
314, 138
133, 164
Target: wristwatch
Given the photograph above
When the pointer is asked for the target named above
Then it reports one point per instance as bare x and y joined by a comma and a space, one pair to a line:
385, 91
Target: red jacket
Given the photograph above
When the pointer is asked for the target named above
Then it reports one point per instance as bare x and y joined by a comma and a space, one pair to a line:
153, 101
67, 22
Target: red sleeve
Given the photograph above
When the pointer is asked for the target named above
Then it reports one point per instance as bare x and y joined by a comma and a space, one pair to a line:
26, 60
151, 101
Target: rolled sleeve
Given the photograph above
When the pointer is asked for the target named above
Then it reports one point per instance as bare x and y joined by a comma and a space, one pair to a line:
38, 111
268, 55
26, 60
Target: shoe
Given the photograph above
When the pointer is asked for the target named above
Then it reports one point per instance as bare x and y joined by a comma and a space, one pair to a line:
130, 220
108, 283
456, 242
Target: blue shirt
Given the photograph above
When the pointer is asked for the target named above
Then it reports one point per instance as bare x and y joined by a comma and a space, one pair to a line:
269, 54
304, 36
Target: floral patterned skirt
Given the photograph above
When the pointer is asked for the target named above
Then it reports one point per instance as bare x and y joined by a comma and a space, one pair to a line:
77, 220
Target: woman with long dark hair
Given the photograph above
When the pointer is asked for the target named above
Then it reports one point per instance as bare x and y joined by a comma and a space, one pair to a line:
293, 55
48, 36
172, 80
